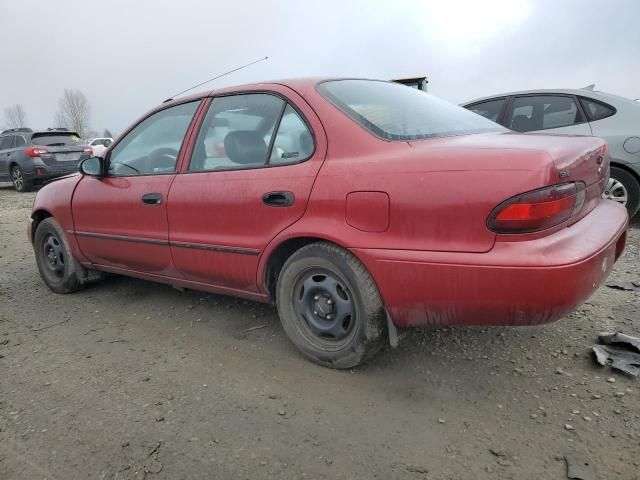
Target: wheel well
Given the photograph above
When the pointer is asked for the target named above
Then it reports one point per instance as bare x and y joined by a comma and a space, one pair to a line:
280, 255
37, 217
624, 167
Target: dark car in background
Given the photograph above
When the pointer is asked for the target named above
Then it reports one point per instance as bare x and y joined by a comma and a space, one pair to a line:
578, 112
28, 158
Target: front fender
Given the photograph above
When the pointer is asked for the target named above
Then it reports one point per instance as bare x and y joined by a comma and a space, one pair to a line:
54, 200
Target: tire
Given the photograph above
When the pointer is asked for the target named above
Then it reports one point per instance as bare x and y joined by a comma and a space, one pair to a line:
58, 268
330, 307
20, 182
623, 188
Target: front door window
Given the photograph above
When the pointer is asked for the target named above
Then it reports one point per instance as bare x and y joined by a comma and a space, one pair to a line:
152, 146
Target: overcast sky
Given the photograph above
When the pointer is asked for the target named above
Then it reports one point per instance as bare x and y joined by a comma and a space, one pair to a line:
129, 55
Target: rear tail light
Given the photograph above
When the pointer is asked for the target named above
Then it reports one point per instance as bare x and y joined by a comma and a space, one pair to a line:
537, 210
88, 150
35, 151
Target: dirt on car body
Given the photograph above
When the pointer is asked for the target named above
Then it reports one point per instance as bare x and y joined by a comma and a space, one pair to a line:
131, 379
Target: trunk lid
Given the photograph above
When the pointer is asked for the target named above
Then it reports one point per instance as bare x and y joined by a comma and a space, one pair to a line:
574, 156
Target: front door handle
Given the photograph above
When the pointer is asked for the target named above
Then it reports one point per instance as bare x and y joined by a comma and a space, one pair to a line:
278, 199
152, 198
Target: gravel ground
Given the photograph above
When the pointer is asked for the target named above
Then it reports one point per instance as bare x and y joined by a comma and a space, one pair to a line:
130, 379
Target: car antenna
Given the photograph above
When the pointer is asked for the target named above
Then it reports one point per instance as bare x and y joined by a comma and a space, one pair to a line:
215, 78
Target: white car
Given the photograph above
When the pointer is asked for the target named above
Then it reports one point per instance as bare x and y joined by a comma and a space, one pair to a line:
99, 145
578, 112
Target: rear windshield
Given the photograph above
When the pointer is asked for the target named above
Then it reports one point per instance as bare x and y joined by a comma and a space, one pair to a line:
57, 139
396, 112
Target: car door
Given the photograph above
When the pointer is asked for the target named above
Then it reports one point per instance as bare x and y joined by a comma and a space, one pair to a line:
549, 113
120, 219
253, 165
6, 143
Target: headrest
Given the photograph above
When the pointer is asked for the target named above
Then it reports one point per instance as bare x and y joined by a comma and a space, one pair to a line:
245, 147
521, 123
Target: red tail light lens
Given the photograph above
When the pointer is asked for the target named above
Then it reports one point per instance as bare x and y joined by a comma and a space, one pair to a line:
537, 210
35, 151
88, 150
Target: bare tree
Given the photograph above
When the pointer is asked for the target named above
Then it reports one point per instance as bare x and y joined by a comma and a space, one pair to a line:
74, 111
15, 116
107, 133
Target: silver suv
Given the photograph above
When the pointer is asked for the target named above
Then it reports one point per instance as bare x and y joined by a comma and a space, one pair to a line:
579, 112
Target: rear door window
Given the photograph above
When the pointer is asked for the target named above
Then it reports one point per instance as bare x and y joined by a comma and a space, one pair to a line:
7, 142
596, 110
490, 109
237, 133
542, 112
20, 141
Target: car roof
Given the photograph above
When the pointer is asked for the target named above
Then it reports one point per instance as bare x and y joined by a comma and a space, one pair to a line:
583, 92
297, 84
54, 131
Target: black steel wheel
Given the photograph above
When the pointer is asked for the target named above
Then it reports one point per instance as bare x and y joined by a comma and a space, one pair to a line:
59, 270
330, 306
326, 308
53, 250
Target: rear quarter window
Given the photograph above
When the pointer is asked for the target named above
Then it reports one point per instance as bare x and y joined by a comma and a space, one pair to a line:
596, 110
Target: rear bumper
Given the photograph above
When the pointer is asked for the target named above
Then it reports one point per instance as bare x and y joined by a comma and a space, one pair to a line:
40, 172
516, 283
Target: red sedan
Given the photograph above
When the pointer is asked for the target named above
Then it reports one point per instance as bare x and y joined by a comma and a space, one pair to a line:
357, 206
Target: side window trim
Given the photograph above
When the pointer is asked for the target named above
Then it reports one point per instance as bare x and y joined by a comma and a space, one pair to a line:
183, 146
274, 134
205, 109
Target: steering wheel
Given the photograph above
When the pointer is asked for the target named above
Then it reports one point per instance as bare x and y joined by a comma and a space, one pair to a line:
162, 159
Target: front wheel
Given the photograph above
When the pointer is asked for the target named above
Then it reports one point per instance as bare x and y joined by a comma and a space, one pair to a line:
624, 189
330, 307
59, 270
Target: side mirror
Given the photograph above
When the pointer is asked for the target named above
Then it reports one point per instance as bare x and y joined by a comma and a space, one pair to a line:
106, 143
93, 166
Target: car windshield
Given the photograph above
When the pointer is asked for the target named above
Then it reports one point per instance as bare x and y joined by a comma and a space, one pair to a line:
396, 112
57, 139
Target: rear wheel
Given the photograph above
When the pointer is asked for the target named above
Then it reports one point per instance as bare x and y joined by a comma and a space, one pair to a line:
624, 189
59, 270
20, 182
330, 306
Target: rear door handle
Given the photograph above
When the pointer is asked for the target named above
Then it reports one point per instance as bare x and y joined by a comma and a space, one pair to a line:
278, 199
152, 198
